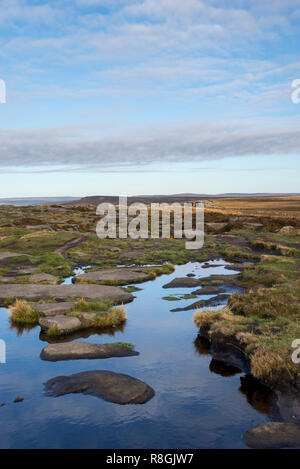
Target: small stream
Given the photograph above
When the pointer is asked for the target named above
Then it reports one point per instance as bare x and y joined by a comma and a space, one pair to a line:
197, 404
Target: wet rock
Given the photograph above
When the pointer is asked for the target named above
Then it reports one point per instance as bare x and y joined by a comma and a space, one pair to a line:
273, 435
53, 309
191, 275
19, 399
122, 275
222, 369
63, 324
214, 301
183, 282
112, 387
63, 292
80, 350
208, 291
239, 266
36, 278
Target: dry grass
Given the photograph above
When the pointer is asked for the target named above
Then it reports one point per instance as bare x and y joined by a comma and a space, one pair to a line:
113, 317
23, 313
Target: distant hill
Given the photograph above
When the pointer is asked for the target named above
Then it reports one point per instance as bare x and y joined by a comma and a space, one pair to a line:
35, 200
185, 197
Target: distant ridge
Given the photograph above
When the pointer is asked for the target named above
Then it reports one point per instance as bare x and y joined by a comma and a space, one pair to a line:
185, 197
35, 200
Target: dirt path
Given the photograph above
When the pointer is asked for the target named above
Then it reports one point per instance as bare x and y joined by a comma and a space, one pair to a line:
70, 244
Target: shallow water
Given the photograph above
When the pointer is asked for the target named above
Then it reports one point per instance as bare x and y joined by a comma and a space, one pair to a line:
197, 403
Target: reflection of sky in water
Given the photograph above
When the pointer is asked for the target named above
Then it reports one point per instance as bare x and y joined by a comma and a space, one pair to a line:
192, 408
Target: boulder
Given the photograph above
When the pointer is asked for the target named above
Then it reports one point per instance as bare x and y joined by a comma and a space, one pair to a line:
273, 435
286, 229
112, 387
80, 350
37, 292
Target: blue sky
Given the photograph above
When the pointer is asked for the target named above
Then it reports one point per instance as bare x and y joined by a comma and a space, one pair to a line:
149, 96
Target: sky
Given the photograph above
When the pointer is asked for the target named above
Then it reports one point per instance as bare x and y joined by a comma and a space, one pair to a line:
149, 97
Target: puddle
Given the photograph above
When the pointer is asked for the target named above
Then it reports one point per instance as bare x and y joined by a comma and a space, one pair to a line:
198, 402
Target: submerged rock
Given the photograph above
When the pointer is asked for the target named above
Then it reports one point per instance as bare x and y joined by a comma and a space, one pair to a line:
64, 292
273, 435
110, 386
79, 350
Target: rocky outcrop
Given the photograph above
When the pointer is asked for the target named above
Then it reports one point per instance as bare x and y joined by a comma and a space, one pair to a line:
273, 435
80, 350
63, 292
112, 387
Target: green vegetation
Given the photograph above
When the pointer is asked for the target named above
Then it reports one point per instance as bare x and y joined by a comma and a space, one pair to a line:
171, 298
92, 306
124, 344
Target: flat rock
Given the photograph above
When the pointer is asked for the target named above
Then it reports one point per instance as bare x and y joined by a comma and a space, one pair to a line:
64, 324
210, 290
36, 278
112, 387
4, 256
123, 275
79, 350
184, 282
254, 226
215, 301
216, 226
37, 292
53, 309
239, 266
273, 435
